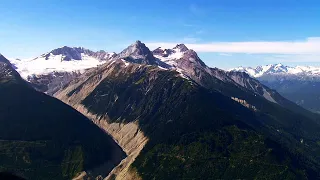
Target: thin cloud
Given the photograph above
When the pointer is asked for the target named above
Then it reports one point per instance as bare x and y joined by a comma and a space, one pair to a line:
200, 32
189, 25
309, 46
225, 54
190, 40
196, 10
291, 58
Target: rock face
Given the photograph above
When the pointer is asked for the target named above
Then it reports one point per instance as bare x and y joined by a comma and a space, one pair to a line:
103, 55
53, 82
68, 53
76, 53
137, 53
128, 135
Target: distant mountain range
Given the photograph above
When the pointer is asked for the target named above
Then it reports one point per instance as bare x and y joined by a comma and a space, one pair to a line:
280, 70
177, 118
299, 84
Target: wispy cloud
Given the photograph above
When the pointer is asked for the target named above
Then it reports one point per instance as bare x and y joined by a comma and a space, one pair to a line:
309, 46
189, 25
292, 58
200, 32
225, 54
190, 40
196, 10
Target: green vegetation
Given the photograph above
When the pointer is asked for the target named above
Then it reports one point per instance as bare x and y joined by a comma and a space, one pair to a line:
302, 92
230, 153
198, 133
42, 138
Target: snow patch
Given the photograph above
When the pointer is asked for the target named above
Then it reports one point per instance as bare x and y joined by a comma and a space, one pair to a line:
170, 60
279, 69
181, 74
126, 63
55, 63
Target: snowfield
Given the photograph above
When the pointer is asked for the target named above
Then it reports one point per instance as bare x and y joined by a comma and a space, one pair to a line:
279, 69
54, 63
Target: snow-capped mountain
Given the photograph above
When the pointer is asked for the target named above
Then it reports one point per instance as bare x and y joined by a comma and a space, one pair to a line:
42, 71
181, 59
77, 53
190, 66
279, 69
300, 84
64, 59
170, 56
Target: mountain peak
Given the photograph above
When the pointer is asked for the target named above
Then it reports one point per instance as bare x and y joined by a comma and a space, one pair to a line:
138, 42
3, 59
181, 47
67, 52
277, 69
137, 52
76, 53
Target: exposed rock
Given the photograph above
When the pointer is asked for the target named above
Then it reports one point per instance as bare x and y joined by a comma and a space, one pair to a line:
128, 136
76, 53
137, 53
181, 47
244, 103
53, 82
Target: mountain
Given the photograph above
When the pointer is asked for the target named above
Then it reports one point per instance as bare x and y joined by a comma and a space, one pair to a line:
298, 84
230, 83
52, 82
3, 59
137, 53
64, 59
7, 72
180, 119
281, 70
52, 70
43, 138
77, 53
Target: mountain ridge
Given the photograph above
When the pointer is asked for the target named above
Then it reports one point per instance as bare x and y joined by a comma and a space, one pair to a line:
63, 59
181, 59
299, 84
124, 92
279, 69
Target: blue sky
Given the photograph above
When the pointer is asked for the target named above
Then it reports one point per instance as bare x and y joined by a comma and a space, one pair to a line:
226, 33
